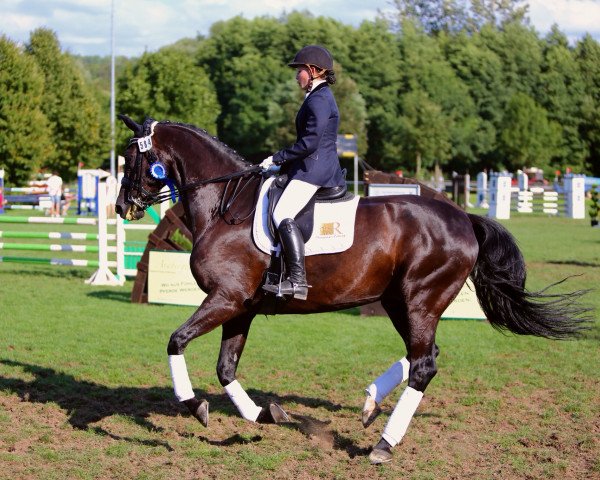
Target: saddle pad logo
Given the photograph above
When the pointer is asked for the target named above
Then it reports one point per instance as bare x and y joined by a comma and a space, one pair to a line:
329, 229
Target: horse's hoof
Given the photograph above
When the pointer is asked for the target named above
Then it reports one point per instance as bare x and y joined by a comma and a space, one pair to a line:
377, 456
381, 453
278, 413
370, 411
273, 414
199, 409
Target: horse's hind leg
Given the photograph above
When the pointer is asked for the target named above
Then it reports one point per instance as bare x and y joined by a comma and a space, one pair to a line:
419, 336
235, 333
393, 376
383, 385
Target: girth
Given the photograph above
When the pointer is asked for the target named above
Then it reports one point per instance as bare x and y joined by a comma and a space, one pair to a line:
305, 218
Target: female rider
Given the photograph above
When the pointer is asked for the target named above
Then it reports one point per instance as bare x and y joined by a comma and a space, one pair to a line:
312, 162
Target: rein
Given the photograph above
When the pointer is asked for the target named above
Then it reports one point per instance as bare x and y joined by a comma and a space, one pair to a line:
158, 172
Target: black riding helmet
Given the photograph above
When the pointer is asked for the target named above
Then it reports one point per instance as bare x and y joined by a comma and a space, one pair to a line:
313, 55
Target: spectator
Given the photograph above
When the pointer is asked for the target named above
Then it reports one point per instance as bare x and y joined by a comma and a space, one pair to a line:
55, 192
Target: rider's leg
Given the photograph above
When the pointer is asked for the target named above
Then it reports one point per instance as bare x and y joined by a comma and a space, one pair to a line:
295, 197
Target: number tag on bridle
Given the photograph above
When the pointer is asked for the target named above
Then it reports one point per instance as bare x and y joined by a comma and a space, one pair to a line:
144, 143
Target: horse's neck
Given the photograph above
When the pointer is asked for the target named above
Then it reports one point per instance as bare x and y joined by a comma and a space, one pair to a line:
199, 158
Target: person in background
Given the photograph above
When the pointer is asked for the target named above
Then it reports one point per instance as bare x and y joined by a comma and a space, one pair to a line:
55, 191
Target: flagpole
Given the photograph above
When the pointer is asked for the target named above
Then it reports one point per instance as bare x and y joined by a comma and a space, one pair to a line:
113, 170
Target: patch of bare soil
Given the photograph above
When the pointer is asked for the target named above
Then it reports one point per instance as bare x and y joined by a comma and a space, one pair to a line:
502, 435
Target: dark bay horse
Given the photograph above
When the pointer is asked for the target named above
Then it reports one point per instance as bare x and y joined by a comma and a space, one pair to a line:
412, 253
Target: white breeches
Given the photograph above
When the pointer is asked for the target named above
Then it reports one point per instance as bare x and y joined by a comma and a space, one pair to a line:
293, 199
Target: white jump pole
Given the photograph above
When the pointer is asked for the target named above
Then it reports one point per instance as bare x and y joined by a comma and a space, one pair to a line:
120, 234
500, 195
574, 196
103, 276
482, 190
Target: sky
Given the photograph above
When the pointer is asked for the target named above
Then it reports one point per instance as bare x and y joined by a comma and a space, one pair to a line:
83, 27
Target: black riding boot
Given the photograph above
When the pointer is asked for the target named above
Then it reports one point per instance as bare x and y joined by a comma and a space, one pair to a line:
293, 249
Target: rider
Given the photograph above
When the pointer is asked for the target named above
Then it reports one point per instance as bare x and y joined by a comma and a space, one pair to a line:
310, 163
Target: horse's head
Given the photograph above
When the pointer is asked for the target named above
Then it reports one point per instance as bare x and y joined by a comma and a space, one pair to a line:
145, 173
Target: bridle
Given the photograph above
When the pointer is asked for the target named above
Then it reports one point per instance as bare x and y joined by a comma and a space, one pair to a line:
133, 176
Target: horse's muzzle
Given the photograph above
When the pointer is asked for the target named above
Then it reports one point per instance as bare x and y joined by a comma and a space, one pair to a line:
129, 212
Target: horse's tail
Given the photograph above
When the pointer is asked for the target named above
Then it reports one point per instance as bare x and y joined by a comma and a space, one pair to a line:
499, 278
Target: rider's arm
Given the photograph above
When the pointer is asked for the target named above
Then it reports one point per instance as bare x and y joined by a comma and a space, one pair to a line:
310, 136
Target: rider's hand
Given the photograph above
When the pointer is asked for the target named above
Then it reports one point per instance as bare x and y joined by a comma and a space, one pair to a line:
267, 163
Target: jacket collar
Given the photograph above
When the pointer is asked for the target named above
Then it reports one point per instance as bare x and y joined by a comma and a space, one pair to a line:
319, 86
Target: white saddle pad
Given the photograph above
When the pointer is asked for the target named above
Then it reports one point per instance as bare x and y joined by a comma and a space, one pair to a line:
333, 229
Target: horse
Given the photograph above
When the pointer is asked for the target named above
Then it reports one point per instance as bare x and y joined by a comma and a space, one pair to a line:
418, 255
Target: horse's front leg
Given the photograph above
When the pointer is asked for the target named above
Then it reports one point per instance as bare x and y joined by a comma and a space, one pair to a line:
214, 311
235, 333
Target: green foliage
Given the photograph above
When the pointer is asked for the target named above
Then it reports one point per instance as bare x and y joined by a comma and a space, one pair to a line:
374, 64
594, 207
423, 130
448, 112
72, 111
462, 84
167, 85
436, 16
587, 55
24, 136
353, 109
527, 137
561, 93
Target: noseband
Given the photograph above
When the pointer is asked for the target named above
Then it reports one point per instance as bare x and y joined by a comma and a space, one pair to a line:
133, 176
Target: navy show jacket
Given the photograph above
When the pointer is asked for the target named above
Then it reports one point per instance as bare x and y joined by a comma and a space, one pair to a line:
313, 158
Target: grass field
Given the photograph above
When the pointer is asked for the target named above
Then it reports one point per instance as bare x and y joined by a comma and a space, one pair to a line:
85, 391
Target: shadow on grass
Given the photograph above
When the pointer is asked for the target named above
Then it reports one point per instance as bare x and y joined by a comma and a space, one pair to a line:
53, 272
112, 295
88, 402
577, 263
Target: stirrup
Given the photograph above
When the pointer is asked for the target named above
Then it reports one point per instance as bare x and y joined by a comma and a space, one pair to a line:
287, 287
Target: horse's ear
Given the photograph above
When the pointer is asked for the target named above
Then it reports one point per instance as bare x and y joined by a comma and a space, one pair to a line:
133, 126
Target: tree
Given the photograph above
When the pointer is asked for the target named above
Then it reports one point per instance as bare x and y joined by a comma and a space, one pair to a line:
587, 55
528, 137
246, 65
561, 93
24, 135
481, 71
72, 112
497, 13
433, 16
520, 52
424, 131
424, 69
167, 85
374, 64
453, 16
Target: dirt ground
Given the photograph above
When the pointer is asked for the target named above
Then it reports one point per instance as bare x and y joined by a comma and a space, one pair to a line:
503, 436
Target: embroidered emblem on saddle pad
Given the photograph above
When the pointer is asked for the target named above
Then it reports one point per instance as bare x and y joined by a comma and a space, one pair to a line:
333, 227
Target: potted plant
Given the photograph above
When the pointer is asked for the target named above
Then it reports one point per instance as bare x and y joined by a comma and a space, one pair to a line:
594, 208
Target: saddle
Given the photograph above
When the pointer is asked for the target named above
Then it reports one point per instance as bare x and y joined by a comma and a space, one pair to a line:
305, 218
